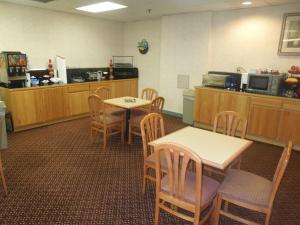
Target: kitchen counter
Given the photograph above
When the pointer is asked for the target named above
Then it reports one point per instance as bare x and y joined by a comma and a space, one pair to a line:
248, 93
271, 119
42, 105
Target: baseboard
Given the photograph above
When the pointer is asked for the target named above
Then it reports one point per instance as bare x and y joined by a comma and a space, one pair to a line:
179, 115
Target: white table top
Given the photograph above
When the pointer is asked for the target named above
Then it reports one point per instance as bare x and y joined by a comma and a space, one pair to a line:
127, 102
216, 150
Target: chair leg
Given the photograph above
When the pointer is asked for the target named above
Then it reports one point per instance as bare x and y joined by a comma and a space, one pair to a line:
268, 218
104, 138
157, 215
144, 179
217, 210
2, 176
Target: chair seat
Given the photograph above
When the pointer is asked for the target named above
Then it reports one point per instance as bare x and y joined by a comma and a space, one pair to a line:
109, 120
115, 111
137, 118
151, 161
246, 187
209, 188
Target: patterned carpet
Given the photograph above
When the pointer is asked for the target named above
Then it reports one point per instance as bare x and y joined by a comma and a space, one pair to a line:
55, 175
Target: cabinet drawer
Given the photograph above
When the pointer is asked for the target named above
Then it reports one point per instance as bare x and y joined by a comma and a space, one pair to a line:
268, 102
291, 105
78, 88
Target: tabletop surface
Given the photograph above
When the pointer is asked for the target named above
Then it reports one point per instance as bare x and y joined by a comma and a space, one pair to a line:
216, 150
127, 102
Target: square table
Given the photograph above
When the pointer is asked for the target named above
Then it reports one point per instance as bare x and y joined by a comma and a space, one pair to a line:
214, 149
128, 103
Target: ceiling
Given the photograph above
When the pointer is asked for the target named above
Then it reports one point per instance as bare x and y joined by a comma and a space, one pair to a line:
147, 9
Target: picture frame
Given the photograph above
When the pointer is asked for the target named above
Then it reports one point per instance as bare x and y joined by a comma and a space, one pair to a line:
289, 43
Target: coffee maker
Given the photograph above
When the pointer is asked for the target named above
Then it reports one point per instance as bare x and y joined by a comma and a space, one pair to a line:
13, 67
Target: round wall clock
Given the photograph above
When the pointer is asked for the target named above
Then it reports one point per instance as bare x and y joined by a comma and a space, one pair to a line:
143, 46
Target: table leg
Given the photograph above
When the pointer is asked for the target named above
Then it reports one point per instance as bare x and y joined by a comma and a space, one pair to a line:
127, 123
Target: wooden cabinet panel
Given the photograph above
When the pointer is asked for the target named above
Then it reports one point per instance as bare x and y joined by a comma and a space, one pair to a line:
206, 106
27, 107
55, 103
289, 125
235, 102
124, 88
94, 86
264, 117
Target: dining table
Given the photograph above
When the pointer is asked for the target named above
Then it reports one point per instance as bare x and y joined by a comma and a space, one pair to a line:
214, 149
128, 103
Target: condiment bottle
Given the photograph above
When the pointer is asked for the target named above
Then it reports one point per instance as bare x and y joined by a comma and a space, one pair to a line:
111, 76
50, 68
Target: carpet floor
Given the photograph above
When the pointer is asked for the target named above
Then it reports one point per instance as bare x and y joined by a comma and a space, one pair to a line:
56, 175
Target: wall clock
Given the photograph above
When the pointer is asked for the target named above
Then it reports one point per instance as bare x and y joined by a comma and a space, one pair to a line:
143, 46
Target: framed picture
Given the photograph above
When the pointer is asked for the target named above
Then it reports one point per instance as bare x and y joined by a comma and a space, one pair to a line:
289, 43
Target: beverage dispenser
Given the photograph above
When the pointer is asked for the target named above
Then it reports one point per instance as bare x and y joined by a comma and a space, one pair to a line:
13, 67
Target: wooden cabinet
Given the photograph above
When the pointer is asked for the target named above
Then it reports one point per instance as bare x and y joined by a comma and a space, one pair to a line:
124, 88
270, 119
235, 102
289, 125
32, 107
206, 106
264, 117
54, 103
27, 107
77, 99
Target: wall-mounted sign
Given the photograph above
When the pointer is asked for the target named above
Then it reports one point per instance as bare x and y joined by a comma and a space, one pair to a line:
143, 46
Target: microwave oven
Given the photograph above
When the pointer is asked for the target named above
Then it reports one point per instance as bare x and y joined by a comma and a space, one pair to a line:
224, 80
265, 83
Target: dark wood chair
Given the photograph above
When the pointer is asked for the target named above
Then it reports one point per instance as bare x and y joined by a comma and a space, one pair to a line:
251, 191
181, 189
103, 121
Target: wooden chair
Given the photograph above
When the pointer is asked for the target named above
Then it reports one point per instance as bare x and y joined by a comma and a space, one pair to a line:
136, 117
105, 93
181, 188
250, 191
152, 127
229, 121
149, 94
2, 176
104, 122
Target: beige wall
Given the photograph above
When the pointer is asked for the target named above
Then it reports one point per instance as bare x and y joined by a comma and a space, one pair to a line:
148, 64
249, 38
194, 43
43, 34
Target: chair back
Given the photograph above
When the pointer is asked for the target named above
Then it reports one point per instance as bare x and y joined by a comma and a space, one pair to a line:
103, 92
280, 170
178, 159
229, 121
157, 105
152, 128
97, 109
149, 94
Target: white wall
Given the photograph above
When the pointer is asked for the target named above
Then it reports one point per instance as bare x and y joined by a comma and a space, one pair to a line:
43, 34
249, 38
197, 42
148, 64
184, 50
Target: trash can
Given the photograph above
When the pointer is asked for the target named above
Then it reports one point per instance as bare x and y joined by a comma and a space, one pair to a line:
188, 106
3, 137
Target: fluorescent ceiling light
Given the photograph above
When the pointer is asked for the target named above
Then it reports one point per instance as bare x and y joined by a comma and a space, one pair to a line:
101, 7
247, 3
